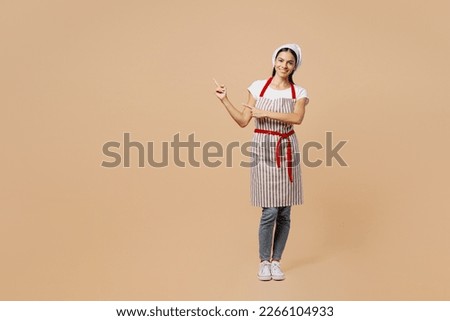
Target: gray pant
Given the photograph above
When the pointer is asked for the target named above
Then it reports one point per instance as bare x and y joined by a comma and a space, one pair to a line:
280, 217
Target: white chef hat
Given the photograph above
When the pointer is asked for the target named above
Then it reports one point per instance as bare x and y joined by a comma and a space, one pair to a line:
296, 48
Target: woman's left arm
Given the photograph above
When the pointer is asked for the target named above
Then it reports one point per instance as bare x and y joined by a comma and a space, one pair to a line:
295, 118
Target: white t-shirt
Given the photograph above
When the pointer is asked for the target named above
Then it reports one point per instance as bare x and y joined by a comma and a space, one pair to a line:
256, 87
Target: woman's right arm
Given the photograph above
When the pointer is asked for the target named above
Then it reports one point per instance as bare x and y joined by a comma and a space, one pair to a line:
242, 118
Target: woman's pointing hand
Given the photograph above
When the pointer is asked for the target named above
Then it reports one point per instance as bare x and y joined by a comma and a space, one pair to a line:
221, 90
257, 113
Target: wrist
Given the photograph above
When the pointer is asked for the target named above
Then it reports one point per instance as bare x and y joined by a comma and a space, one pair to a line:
225, 100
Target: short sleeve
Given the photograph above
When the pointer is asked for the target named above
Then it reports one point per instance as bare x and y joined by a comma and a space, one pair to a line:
255, 89
302, 93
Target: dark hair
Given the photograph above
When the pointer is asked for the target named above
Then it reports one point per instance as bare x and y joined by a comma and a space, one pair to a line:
295, 56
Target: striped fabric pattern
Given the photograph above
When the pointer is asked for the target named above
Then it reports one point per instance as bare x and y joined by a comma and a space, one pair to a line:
270, 185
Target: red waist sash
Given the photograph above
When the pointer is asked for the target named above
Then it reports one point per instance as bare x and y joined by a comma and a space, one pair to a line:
278, 148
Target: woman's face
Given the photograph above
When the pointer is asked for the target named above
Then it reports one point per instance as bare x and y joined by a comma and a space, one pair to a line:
285, 64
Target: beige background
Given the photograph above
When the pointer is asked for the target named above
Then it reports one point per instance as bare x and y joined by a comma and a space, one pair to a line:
77, 74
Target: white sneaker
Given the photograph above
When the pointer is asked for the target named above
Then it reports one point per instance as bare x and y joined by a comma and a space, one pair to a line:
264, 271
275, 270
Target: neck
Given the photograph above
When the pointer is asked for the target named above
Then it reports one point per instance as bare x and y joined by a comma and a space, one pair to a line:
280, 82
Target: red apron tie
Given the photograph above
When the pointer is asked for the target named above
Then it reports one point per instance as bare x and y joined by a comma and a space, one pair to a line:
278, 148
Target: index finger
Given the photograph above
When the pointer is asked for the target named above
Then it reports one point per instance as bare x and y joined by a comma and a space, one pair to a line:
216, 82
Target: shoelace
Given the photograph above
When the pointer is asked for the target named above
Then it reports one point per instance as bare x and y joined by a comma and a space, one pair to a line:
276, 269
265, 265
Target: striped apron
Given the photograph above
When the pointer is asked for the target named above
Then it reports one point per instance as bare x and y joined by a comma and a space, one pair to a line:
276, 174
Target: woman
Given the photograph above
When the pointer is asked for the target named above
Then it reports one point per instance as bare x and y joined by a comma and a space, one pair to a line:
276, 104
